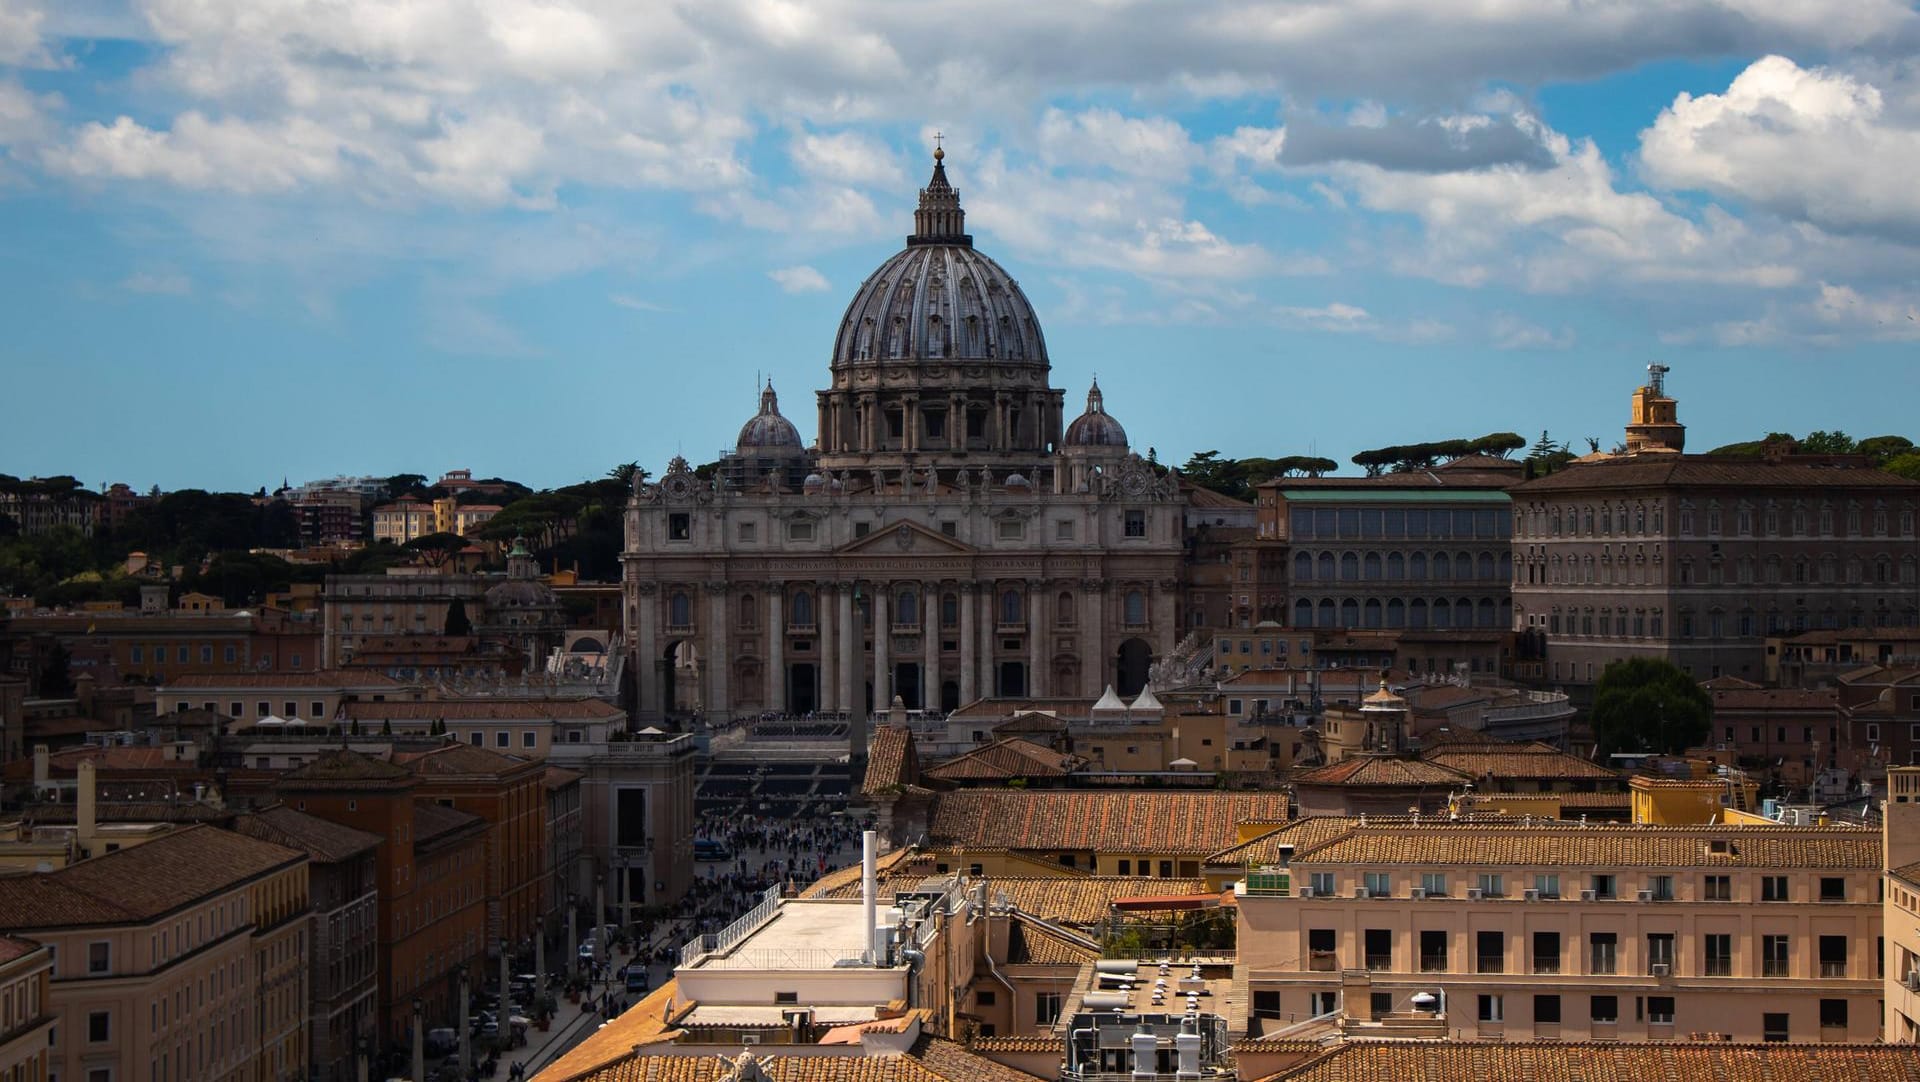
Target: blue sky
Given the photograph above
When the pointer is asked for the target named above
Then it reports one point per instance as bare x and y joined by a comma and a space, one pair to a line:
248, 239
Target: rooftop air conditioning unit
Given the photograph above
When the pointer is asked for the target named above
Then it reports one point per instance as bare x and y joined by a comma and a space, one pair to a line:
1474, 894
1588, 895
1306, 892
1645, 896
1529, 895
1661, 969
1417, 893
1361, 892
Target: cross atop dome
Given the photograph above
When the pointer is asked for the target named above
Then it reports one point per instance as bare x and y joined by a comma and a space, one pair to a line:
939, 219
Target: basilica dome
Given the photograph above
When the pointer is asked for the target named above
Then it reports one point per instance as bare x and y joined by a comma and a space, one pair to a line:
939, 299
768, 433
1096, 427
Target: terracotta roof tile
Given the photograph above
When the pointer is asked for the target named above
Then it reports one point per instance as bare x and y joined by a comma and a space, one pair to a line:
890, 760
339, 765
1476, 1061
431, 822
454, 759
1008, 758
1381, 770
486, 710
326, 679
1531, 761
1032, 943
12, 947
1825, 699
1709, 471
1197, 822
1620, 845
141, 882
324, 841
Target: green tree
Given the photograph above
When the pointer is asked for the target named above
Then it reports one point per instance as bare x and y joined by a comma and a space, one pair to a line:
402, 483
1906, 465
1821, 442
1883, 448
457, 622
1649, 705
437, 548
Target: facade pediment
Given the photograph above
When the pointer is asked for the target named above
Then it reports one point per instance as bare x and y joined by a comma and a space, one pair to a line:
904, 539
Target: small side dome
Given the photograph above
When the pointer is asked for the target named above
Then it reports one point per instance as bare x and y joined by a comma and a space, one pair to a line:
1015, 480
1096, 427
768, 433
813, 483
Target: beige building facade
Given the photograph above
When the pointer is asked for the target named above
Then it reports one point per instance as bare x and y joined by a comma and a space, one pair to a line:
949, 535
26, 1009
1525, 932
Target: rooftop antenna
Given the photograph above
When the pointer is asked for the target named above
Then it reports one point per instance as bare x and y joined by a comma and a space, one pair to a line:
1657, 378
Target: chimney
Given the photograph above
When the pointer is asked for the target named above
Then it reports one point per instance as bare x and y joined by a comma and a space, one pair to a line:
84, 804
869, 888
1146, 1063
1187, 1044
40, 763
1899, 821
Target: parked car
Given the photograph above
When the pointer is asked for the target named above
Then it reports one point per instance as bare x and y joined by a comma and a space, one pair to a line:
636, 978
708, 849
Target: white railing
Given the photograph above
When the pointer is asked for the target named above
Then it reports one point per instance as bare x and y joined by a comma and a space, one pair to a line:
707, 943
783, 958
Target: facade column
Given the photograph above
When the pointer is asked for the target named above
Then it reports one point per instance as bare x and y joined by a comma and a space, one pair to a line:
1165, 632
1093, 649
776, 647
825, 675
957, 421
930, 646
849, 649
1000, 440
718, 659
989, 679
969, 670
910, 421
882, 640
646, 667
1036, 637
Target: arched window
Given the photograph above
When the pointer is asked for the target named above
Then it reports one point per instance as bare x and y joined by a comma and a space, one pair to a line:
1349, 567
1063, 609
1463, 565
749, 610
1010, 607
1370, 567
906, 608
1134, 609
1442, 566
1417, 612
679, 610
1349, 613
1325, 617
1303, 566
1486, 567
803, 609
1487, 614
1396, 566
949, 610
1442, 613
1370, 613
1303, 613
1396, 613
1417, 566
1325, 572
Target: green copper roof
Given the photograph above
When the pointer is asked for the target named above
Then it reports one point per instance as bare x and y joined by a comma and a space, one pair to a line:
1395, 495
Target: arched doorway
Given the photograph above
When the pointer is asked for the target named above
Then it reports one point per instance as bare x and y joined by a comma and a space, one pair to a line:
1130, 673
803, 695
679, 678
949, 696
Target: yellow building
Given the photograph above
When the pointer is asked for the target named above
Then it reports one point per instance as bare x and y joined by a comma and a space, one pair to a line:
26, 1011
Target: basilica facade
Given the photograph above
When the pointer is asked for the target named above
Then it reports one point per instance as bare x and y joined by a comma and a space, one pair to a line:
949, 535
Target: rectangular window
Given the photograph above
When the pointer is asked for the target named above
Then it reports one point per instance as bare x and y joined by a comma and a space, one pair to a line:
1433, 952
1717, 888
1136, 523
1547, 885
1833, 956
679, 526
1719, 955
1662, 887
1492, 1008
1321, 947
1046, 1008
1605, 1009
1660, 1010
502, 739
1490, 952
1378, 884
1378, 943
1492, 884
1773, 888
1833, 888
1833, 1014
799, 531
749, 532
1773, 1026
1546, 952
1546, 1009
1063, 530
1776, 956
1266, 1002
1011, 529
1434, 883
99, 958
527, 739
99, 1027
1321, 883
1602, 953
1660, 950
1602, 887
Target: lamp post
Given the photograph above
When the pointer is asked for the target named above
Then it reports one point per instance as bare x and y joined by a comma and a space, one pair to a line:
460, 1020
573, 937
503, 1016
626, 891
599, 913
419, 1043
360, 1056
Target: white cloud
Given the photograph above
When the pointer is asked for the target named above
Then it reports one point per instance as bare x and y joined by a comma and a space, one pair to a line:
24, 116
201, 153
165, 283
1105, 139
22, 36
1509, 331
1812, 144
637, 304
799, 279
846, 158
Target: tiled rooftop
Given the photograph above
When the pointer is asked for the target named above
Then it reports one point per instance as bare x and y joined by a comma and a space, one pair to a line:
325, 841
1008, 758
1382, 770
1609, 845
431, 822
486, 710
336, 766
1531, 761
1195, 822
327, 679
456, 759
141, 882
890, 759
1472, 1061
1709, 471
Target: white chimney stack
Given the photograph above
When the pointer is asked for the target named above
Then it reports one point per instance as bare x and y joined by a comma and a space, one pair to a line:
870, 888
84, 809
42, 764
1146, 1059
